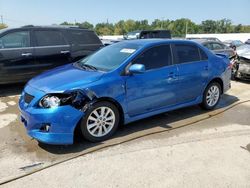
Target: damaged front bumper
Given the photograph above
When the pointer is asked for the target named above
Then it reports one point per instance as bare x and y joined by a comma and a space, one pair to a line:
48, 125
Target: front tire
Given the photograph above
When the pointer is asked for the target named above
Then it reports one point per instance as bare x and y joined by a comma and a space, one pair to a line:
100, 122
211, 96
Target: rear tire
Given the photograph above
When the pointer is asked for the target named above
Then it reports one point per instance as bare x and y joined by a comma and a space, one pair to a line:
211, 96
100, 122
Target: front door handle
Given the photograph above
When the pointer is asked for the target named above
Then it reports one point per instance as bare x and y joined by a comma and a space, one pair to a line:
64, 52
26, 54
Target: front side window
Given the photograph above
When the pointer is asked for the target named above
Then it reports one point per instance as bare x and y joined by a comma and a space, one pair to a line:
187, 53
155, 57
20, 39
49, 38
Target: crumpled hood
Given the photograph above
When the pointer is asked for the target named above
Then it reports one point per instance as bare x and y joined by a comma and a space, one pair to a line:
244, 52
64, 78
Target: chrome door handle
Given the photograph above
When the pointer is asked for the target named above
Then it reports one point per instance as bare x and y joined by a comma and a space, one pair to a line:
26, 54
64, 51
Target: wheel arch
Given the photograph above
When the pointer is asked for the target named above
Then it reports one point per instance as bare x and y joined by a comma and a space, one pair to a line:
107, 99
219, 81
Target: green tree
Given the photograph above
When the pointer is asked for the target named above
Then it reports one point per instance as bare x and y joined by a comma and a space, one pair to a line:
104, 29
119, 28
238, 28
209, 26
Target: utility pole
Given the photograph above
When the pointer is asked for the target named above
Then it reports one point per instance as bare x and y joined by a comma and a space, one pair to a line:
162, 21
2, 19
186, 29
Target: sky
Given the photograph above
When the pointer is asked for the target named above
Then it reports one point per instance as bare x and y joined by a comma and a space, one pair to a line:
46, 12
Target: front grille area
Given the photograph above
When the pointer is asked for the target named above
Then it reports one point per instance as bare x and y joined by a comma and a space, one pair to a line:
28, 98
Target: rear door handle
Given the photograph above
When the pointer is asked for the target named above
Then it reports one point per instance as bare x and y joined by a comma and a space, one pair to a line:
26, 54
64, 52
206, 68
172, 75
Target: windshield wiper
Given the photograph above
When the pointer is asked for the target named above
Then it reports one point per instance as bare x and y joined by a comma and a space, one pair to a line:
89, 66
85, 66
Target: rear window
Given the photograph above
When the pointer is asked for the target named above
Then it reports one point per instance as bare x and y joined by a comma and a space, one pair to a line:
187, 53
49, 38
84, 37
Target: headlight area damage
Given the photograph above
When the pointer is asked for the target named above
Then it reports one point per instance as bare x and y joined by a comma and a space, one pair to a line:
79, 99
241, 69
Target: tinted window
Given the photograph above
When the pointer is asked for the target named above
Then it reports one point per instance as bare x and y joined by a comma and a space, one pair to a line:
15, 40
203, 55
155, 57
187, 53
49, 38
84, 37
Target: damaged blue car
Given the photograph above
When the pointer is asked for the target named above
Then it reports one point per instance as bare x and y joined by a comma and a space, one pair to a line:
119, 84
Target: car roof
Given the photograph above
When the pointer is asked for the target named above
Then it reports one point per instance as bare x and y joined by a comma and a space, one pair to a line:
45, 27
149, 42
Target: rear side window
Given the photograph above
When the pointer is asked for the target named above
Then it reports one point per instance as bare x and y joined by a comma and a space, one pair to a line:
203, 55
49, 38
84, 37
18, 39
155, 57
187, 53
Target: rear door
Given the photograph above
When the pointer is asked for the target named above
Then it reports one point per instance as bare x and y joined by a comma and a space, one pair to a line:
16, 56
192, 64
83, 42
51, 48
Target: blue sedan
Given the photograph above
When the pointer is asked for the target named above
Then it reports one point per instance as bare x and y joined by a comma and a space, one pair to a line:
119, 84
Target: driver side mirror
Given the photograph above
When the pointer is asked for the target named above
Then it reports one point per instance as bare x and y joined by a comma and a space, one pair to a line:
136, 69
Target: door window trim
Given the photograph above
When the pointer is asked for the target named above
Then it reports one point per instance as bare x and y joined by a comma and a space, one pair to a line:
57, 30
148, 48
176, 57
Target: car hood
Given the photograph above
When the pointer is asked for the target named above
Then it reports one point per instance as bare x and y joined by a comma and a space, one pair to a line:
244, 51
63, 78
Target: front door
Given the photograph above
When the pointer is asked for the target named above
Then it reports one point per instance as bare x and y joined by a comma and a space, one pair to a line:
155, 88
17, 59
51, 49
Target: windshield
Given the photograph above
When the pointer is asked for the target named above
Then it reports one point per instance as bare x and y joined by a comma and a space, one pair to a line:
110, 57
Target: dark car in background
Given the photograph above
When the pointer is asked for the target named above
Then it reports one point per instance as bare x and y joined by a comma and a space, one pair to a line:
30, 50
148, 34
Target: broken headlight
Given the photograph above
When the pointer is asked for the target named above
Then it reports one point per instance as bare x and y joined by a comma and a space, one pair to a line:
50, 102
75, 99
